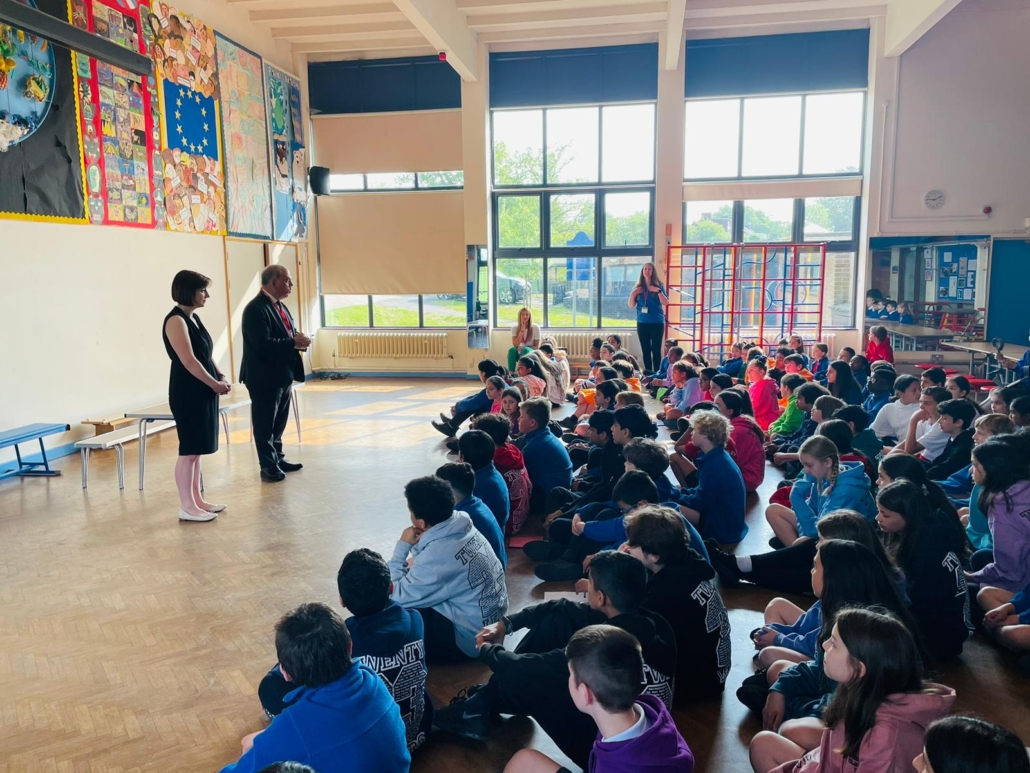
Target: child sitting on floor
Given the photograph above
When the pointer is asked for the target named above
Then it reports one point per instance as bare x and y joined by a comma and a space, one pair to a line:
827, 485
791, 419
634, 732
442, 544
332, 691
477, 403
764, 393
822, 408
795, 363
649, 456
881, 707
386, 637
462, 481
733, 366
477, 448
547, 461
716, 505
686, 392
820, 362
510, 464
1009, 620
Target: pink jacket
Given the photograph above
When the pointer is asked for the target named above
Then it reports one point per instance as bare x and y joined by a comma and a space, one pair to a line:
765, 399
749, 452
895, 740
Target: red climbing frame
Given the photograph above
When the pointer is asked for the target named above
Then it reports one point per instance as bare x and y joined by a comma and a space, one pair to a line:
721, 294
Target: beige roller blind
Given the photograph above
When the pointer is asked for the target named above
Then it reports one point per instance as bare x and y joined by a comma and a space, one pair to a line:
421, 141
392, 243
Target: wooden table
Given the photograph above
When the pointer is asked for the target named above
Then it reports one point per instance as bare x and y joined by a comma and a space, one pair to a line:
989, 353
236, 399
906, 338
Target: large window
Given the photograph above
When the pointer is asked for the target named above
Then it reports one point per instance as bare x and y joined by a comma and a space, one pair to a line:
395, 311
773, 137
832, 220
396, 181
573, 200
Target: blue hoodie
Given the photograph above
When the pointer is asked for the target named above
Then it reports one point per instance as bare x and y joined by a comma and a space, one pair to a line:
349, 726
719, 497
803, 636
491, 488
874, 403
485, 523
477, 403
392, 643
811, 500
547, 461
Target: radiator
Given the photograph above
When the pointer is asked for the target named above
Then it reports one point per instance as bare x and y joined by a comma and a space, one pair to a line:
578, 344
392, 346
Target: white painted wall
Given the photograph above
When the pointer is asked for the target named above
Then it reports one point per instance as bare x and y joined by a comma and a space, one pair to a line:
82, 320
959, 102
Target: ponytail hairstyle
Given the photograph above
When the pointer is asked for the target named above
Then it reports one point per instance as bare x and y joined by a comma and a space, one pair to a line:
1004, 462
761, 363
853, 526
497, 383
971, 745
880, 642
896, 466
736, 401
722, 381
821, 449
532, 364
853, 575
799, 347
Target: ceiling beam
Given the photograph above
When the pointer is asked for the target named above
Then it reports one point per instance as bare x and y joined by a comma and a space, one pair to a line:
909, 20
795, 17
595, 15
329, 14
564, 33
705, 8
358, 46
400, 28
673, 38
443, 26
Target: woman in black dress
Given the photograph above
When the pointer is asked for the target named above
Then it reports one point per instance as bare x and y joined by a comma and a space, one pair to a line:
193, 390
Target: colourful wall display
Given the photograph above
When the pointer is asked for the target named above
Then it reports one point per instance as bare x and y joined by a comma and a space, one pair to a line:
118, 110
41, 169
288, 156
248, 198
194, 191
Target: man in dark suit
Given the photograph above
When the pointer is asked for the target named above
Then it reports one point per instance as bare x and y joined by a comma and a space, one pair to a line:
271, 363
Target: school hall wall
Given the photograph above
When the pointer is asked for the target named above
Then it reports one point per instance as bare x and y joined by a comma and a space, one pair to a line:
951, 111
82, 316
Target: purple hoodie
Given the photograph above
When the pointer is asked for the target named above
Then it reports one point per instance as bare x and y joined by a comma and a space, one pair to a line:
1009, 520
661, 749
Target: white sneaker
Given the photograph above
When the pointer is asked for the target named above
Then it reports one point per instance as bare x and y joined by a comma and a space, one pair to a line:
215, 508
184, 516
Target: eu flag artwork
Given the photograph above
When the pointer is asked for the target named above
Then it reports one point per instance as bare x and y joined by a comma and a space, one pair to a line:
184, 50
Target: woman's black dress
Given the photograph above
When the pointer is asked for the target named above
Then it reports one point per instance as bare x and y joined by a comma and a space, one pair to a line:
194, 404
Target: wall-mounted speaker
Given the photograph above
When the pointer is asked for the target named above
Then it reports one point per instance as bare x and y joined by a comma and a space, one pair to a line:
318, 179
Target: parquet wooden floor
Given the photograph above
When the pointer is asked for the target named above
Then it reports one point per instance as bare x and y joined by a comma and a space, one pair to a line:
132, 642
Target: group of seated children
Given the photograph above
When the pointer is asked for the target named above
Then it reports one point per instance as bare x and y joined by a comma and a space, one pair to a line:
901, 509
878, 307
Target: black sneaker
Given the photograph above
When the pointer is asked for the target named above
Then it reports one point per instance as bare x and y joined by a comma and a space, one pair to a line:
675, 436
754, 691
569, 422
776, 544
559, 571
683, 423
463, 718
724, 564
543, 550
444, 428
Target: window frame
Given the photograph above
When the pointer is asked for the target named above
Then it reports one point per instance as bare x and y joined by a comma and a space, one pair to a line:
740, 99
372, 320
797, 237
600, 148
416, 187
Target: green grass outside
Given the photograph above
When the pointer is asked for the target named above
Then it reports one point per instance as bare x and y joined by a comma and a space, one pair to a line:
454, 316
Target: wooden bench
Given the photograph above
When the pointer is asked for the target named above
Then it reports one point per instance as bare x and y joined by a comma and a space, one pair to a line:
107, 424
116, 440
26, 434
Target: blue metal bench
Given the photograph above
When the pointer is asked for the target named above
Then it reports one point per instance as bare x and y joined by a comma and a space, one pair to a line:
26, 434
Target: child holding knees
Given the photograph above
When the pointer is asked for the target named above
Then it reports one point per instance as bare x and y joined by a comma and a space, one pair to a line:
820, 362
826, 485
1009, 620
634, 732
880, 710
971, 745
764, 393
925, 437
480, 402
510, 464
791, 419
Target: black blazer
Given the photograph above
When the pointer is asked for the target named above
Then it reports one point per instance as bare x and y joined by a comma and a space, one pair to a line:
270, 359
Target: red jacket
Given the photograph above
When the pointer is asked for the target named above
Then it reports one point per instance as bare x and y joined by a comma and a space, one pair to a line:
765, 399
749, 452
509, 462
879, 351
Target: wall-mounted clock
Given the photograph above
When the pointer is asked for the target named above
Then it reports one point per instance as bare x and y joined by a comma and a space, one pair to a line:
934, 199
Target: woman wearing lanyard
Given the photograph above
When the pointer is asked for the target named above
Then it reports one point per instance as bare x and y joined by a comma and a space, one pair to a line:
649, 298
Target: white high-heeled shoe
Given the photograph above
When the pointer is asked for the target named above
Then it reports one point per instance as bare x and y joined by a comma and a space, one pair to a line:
184, 516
